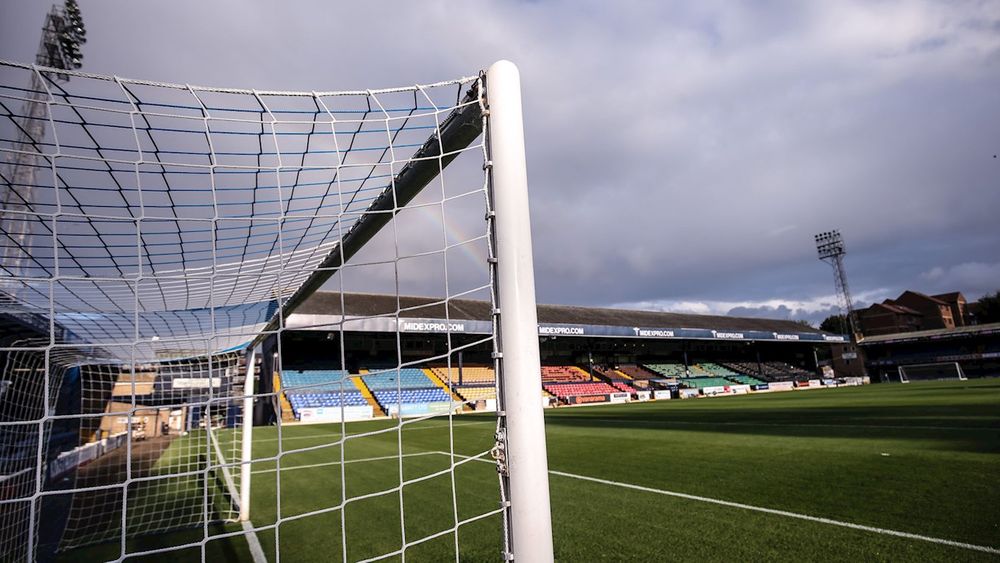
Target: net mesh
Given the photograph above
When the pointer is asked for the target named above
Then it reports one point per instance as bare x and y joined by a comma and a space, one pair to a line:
156, 239
931, 371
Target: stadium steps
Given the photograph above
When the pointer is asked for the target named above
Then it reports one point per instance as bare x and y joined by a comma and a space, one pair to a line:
444, 386
367, 394
287, 414
622, 374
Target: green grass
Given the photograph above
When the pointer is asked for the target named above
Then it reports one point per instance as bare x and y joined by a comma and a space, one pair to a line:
922, 458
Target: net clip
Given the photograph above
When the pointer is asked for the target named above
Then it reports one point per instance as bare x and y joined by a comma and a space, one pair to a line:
499, 451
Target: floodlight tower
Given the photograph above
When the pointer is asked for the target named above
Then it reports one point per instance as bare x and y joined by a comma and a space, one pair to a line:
830, 248
62, 35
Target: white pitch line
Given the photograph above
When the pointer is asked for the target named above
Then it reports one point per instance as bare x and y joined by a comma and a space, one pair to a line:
774, 511
789, 425
328, 463
253, 542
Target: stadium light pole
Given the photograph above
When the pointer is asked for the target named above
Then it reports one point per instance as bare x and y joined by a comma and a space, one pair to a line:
522, 419
62, 35
830, 249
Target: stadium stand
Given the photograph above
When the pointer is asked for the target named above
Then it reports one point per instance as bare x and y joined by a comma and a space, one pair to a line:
305, 389
769, 371
388, 397
624, 387
719, 370
744, 379
403, 386
477, 393
562, 390
315, 381
404, 378
716, 369
610, 374
558, 374
672, 369
637, 372
695, 370
470, 375
702, 382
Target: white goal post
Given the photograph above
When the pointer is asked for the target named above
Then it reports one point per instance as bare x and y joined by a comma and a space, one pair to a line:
930, 371
156, 239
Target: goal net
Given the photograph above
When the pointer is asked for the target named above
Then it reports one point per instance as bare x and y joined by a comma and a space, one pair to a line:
158, 375
930, 371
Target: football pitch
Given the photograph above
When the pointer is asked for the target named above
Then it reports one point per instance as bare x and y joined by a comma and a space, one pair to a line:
881, 472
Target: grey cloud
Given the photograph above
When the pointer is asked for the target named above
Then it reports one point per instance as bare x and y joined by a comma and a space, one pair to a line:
677, 151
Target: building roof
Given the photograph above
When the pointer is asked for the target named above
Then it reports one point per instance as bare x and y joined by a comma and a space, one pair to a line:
934, 334
895, 308
953, 296
934, 300
366, 304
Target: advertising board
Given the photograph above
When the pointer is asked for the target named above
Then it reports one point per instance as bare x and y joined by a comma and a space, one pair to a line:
333, 414
739, 389
586, 399
717, 390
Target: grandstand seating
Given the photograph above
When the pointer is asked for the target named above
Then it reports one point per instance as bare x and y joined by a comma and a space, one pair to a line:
477, 393
637, 372
609, 373
702, 382
557, 374
403, 386
672, 369
403, 378
716, 369
623, 387
304, 389
387, 397
695, 370
319, 400
471, 375
770, 371
575, 389
315, 381
744, 379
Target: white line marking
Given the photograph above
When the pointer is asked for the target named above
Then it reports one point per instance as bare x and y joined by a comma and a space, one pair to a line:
785, 513
256, 551
786, 425
249, 532
328, 463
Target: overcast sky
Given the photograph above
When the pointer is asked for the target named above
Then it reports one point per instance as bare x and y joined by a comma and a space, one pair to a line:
681, 154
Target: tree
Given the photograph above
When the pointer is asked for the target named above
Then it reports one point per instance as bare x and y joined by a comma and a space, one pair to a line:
988, 308
834, 324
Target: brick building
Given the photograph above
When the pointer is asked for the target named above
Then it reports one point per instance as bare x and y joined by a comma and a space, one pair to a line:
913, 311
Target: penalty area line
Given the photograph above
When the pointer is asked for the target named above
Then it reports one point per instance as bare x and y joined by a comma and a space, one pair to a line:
785, 513
774, 511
